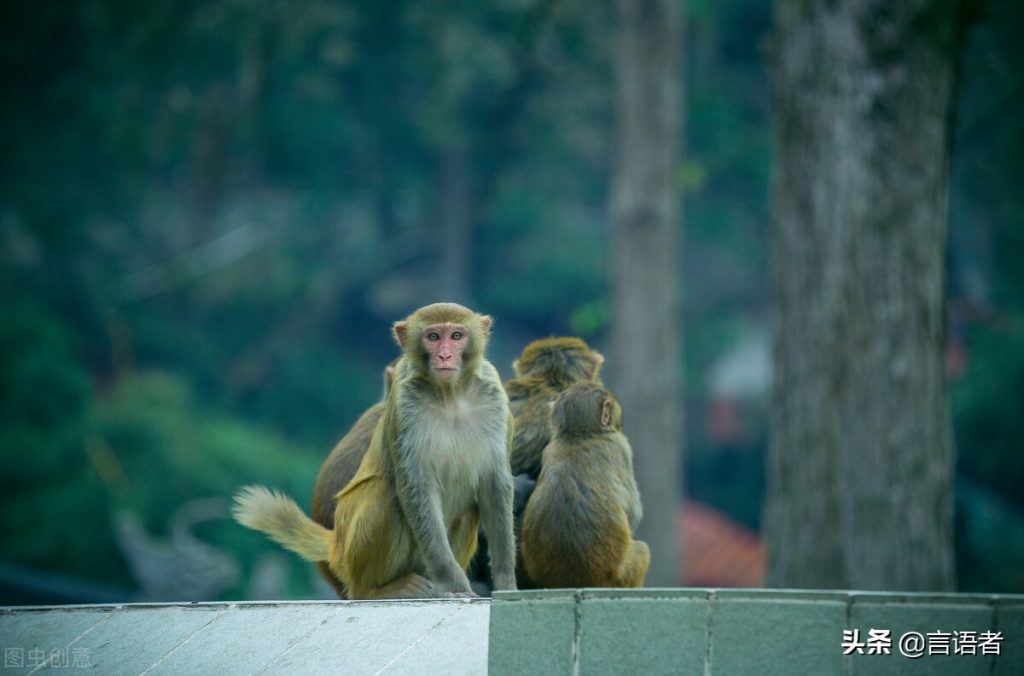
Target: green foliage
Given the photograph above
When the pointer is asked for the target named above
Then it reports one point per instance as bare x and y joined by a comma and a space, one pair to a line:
589, 318
44, 396
68, 463
990, 540
986, 407
167, 452
316, 393
53, 507
987, 305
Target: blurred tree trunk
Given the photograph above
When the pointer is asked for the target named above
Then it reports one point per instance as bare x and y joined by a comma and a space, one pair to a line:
645, 361
861, 453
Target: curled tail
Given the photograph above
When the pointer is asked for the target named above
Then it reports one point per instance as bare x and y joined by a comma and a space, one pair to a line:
282, 520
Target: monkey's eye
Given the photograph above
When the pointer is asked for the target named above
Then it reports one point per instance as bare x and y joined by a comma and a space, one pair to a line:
457, 335
433, 336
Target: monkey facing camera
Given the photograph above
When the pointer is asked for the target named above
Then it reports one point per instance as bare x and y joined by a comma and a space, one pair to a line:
578, 525
405, 526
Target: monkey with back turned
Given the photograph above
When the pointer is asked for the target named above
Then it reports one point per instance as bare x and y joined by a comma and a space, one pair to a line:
405, 526
544, 369
578, 525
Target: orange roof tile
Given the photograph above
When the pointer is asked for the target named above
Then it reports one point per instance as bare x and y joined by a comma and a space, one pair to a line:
717, 551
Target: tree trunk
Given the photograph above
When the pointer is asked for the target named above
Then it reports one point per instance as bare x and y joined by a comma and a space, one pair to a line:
645, 364
861, 454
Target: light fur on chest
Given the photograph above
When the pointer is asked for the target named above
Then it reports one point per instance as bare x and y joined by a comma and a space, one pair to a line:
456, 441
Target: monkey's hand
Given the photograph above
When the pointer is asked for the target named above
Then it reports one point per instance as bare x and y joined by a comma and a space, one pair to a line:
460, 595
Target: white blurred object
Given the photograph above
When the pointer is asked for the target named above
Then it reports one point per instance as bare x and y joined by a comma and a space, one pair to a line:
180, 567
745, 372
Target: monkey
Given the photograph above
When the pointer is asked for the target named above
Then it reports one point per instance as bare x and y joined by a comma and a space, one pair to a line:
437, 466
543, 370
577, 527
339, 468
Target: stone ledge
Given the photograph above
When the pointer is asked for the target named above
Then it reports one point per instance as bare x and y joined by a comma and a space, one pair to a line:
351, 637
740, 631
587, 631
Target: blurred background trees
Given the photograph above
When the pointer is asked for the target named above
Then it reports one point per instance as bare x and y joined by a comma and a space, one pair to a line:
212, 210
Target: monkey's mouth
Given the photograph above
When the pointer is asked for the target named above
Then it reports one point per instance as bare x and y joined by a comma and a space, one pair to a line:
445, 371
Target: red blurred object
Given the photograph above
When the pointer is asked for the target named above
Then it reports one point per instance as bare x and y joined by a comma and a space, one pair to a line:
717, 551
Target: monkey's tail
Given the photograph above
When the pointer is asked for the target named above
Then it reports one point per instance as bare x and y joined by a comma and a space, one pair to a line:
282, 520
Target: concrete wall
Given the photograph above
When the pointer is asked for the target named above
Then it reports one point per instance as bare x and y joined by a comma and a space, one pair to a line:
729, 632
354, 637
621, 632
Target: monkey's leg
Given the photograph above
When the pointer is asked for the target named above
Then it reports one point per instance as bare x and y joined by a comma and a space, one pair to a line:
376, 557
637, 561
496, 514
422, 520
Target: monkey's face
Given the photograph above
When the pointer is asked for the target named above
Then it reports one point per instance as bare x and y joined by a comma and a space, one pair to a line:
443, 340
444, 345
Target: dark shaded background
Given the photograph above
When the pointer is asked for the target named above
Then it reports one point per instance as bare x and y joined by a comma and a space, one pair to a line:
211, 212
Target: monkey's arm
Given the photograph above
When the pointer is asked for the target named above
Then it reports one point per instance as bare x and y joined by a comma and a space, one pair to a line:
634, 508
635, 512
631, 494
496, 514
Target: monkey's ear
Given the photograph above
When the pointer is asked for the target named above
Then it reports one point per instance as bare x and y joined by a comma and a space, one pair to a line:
401, 332
389, 374
598, 361
606, 412
515, 367
485, 324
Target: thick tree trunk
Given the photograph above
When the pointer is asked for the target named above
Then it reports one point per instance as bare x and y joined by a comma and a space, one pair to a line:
645, 361
861, 456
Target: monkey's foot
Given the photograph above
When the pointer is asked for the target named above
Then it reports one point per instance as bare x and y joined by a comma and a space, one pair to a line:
408, 587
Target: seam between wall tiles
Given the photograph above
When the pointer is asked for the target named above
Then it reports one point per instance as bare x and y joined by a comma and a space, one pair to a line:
106, 617
413, 644
296, 642
709, 629
576, 611
187, 639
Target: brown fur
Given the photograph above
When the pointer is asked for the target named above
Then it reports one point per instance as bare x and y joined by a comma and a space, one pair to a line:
577, 528
544, 369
